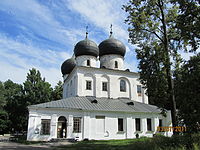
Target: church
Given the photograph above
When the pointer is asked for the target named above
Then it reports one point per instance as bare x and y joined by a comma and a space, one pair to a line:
99, 103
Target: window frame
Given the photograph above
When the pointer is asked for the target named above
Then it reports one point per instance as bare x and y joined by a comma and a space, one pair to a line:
77, 124
120, 126
139, 92
45, 126
149, 124
122, 85
104, 87
136, 124
88, 85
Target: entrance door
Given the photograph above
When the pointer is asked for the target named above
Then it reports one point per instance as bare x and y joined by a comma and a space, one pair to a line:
62, 127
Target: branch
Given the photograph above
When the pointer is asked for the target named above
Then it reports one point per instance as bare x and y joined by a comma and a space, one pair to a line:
160, 30
154, 34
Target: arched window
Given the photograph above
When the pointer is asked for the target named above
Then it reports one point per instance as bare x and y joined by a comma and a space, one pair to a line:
116, 64
88, 62
122, 86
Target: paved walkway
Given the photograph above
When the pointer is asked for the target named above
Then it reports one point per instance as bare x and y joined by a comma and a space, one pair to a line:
17, 146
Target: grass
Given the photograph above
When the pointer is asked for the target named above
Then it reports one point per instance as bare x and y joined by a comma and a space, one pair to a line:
186, 142
156, 143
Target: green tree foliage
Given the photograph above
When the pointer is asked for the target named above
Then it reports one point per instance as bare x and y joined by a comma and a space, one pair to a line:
36, 89
152, 29
3, 114
58, 91
153, 74
187, 83
188, 22
2, 97
15, 106
15, 98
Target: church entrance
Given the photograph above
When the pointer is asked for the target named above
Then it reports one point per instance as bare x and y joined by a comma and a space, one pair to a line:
62, 127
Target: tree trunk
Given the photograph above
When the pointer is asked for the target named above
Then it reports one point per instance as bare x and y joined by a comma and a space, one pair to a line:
168, 69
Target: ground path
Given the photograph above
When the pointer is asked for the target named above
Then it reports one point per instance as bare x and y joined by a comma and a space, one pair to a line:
44, 146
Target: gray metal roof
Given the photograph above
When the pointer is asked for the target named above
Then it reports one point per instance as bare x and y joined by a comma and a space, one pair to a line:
99, 104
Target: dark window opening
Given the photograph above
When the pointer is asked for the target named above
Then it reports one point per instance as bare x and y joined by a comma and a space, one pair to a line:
116, 64
122, 86
88, 62
120, 124
138, 124
104, 86
149, 126
88, 85
160, 123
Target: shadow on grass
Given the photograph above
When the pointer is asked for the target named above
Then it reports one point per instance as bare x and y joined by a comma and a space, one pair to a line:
156, 143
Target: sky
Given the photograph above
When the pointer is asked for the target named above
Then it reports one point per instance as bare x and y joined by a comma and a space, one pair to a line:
42, 34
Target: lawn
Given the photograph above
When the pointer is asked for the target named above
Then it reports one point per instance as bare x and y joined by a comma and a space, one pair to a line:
156, 143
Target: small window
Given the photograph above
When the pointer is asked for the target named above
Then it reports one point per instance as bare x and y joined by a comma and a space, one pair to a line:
149, 126
122, 86
88, 85
104, 86
77, 125
160, 123
45, 127
120, 124
88, 62
116, 64
139, 90
137, 124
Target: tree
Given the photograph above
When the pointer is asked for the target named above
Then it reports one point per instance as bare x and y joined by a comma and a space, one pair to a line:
15, 106
2, 97
153, 75
153, 26
57, 92
188, 93
3, 114
36, 89
188, 22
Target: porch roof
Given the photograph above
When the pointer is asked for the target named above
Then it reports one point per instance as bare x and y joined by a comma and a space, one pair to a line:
99, 104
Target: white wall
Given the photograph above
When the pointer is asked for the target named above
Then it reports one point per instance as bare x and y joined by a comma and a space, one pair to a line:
82, 60
108, 61
89, 124
70, 86
97, 76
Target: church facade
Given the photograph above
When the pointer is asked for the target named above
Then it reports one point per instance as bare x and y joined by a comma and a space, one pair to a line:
100, 103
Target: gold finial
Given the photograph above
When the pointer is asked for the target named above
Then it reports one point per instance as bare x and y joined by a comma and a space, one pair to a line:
111, 30
86, 32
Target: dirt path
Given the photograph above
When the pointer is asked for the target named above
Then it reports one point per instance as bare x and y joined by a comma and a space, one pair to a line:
17, 146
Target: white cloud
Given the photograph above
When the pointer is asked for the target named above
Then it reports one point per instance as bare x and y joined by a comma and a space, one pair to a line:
16, 65
102, 13
33, 18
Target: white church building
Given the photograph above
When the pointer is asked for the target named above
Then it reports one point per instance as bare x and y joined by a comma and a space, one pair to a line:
100, 103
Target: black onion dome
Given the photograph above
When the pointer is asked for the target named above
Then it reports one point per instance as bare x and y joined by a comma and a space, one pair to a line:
67, 66
112, 46
86, 47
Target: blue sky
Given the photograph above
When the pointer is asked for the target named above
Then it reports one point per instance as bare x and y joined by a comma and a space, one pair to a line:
43, 33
